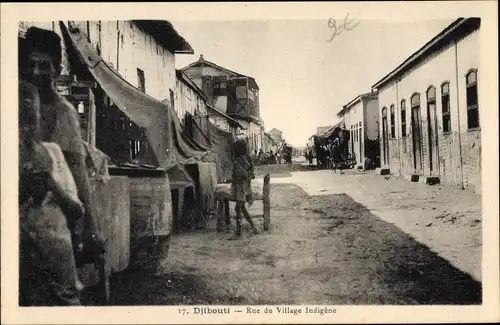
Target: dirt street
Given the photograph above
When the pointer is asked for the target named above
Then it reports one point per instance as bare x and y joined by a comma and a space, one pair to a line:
324, 248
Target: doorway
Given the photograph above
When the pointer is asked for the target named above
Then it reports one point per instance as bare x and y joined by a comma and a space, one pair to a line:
385, 139
361, 153
416, 137
432, 136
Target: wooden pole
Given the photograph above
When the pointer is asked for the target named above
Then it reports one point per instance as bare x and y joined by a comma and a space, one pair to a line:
220, 215
266, 200
91, 125
227, 216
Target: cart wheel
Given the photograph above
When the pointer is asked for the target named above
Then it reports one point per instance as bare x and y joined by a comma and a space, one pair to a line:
103, 287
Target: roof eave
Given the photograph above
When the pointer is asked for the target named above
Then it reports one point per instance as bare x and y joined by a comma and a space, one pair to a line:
176, 43
181, 75
428, 47
229, 118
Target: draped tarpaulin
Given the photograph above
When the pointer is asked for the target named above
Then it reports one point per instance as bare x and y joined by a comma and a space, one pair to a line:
222, 142
201, 133
161, 125
172, 147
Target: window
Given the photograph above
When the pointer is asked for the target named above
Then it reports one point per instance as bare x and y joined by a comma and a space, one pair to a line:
141, 80
445, 107
472, 101
172, 98
403, 118
393, 126
134, 148
415, 100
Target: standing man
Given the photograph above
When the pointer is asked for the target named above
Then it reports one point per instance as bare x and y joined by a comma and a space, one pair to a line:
40, 64
241, 189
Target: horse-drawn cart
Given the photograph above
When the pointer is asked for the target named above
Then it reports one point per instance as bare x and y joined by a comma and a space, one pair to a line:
349, 162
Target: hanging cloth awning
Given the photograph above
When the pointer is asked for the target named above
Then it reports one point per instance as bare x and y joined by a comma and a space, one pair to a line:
334, 129
155, 117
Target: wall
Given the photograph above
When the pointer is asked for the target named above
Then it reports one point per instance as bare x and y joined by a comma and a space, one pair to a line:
276, 134
354, 121
371, 118
236, 94
188, 100
220, 122
254, 134
127, 49
220, 103
455, 166
468, 57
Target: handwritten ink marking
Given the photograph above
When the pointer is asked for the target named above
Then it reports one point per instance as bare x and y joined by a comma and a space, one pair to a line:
346, 26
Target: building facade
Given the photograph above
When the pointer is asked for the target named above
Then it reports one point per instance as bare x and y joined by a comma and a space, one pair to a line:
270, 143
142, 53
190, 105
276, 134
429, 110
231, 93
322, 129
223, 121
361, 119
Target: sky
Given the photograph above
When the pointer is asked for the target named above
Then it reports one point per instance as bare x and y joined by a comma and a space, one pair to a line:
304, 78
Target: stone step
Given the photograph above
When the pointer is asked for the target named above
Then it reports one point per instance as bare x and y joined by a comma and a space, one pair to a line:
383, 171
429, 180
412, 177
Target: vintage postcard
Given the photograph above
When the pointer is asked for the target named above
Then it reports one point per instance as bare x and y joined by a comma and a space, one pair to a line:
226, 163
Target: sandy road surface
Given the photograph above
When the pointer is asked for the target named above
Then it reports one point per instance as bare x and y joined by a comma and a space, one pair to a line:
325, 249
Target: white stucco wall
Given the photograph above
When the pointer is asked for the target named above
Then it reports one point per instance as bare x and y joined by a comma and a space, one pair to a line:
188, 100
354, 120
220, 103
220, 122
127, 49
450, 65
371, 117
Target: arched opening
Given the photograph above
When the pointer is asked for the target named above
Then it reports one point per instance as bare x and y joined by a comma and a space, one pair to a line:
472, 100
432, 134
416, 132
385, 137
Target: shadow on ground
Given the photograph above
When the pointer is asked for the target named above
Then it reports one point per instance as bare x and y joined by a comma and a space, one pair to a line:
409, 272
134, 288
321, 250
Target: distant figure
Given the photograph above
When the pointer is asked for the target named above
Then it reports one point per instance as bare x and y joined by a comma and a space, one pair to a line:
337, 156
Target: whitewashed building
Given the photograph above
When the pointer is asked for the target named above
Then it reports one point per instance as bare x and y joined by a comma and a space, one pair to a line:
223, 121
430, 110
142, 52
189, 98
361, 118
